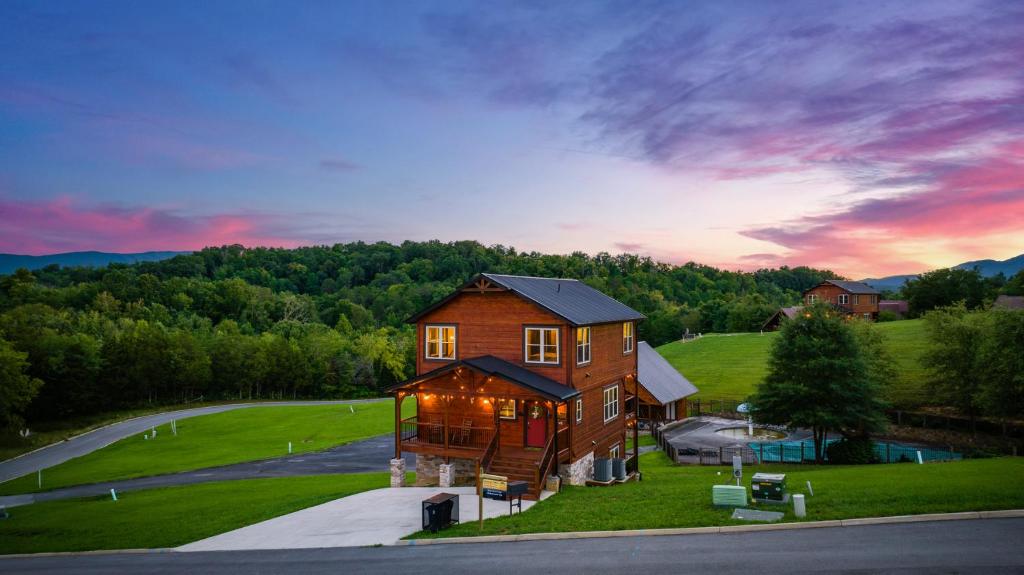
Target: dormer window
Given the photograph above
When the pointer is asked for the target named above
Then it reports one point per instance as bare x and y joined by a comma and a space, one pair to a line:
627, 337
440, 342
542, 345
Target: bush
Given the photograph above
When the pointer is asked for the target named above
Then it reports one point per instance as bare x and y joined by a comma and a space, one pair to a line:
852, 451
886, 315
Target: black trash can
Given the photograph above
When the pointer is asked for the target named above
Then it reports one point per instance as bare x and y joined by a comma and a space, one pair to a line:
440, 511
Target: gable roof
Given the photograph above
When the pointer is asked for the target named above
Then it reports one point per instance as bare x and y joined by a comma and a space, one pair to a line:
852, 287
490, 365
572, 300
657, 376
784, 312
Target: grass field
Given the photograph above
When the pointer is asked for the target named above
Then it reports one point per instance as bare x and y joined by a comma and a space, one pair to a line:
730, 366
680, 496
219, 439
169, 517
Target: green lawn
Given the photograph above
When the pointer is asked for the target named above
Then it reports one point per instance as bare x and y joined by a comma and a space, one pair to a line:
219, 439
171, 516
680, 496
729, 366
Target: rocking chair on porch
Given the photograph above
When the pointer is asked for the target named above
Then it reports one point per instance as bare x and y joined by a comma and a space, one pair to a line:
436, 430
461, 435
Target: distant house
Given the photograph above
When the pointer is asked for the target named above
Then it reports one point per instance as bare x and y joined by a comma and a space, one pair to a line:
852, 298
899, 307
775, 320
1009, 302
663, 390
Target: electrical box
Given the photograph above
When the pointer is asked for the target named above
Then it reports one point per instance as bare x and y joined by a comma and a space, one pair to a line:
729, 496
769, 488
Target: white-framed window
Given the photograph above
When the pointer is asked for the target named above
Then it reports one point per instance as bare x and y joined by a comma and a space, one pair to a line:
579, 410
627, 337
812, 298
542, 345
440, 342
844, 299
507, 408
874, 299
582, 345
856, 299
615, 451
611, 403
867, 315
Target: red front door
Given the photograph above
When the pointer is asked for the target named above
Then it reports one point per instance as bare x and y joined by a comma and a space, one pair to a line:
536, 425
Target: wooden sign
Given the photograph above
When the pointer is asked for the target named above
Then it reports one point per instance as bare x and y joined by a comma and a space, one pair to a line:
493, 486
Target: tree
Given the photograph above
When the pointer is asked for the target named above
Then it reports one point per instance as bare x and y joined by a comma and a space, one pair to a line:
945, 287
1002, 358
17, 388
954, 360
820, 378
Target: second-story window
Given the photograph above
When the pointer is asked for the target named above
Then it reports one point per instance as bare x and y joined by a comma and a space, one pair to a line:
856, 299
611, 403
627, 337
844, 299
579, 410
582, 345
812, 298
542, 345
440, 342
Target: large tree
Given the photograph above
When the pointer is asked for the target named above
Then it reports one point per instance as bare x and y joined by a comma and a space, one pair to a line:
17, 388
1002, 356
954, 357
820, 378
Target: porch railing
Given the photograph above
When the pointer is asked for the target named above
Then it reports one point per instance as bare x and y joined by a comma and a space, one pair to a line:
492, 449
545, 463
434, 433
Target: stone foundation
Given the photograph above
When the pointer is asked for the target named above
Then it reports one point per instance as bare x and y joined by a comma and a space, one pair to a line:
398, 472
446, 475
428, 471
579, 471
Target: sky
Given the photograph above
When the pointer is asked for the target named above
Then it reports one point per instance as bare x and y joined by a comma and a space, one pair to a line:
871, 138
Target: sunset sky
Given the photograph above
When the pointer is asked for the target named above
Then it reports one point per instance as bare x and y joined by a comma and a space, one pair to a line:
871, 138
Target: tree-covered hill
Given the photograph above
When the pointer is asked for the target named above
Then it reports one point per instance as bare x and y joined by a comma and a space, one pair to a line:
308, 322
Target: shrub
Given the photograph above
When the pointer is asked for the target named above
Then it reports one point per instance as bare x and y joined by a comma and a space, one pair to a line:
886, 315
852, 451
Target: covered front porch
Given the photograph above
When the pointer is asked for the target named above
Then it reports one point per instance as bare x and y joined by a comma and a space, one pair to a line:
489, 413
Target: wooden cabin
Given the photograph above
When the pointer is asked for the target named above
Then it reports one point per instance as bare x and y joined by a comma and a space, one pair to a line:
852, 298
663, 390
526, 377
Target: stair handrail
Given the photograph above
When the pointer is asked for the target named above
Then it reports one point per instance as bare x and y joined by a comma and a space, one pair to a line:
492, 448
545, 462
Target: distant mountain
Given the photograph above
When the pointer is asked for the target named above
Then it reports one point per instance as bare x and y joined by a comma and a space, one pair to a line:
11, 262
987, 268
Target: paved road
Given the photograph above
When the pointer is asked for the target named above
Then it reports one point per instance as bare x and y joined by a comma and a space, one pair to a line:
98, 438
365, 456
980, 546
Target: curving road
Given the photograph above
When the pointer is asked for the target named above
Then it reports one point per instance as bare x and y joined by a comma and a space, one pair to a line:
57, 453
977, 546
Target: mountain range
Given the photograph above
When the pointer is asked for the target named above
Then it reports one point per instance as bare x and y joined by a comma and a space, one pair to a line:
11, 262
987, 268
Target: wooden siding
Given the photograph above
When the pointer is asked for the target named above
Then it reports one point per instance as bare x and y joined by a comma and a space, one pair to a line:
608, 366
828, 293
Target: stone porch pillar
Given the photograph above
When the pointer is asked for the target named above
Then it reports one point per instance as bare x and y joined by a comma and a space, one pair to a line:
398, 472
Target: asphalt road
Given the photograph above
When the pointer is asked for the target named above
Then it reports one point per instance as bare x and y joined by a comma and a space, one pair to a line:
979, 546
80, 445
365, 456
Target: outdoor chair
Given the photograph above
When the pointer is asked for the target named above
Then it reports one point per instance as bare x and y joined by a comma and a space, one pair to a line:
436, 429
461, 435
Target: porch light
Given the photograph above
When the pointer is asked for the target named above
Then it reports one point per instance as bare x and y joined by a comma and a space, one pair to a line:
487, 402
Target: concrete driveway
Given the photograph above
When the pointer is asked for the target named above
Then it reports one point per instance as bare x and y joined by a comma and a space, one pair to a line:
378, 517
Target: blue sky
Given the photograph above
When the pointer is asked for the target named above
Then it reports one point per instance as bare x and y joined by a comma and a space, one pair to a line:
867, 137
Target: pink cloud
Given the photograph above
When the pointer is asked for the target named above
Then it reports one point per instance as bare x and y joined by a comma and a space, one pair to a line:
60, 225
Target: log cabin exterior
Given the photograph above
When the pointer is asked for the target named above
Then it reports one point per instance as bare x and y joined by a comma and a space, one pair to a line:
663, 390
851, 298
524, 376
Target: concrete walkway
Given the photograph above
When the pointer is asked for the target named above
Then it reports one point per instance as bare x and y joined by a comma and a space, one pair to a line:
57, 453
378, 517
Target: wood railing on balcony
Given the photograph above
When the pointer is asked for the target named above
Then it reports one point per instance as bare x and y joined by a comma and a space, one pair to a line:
435, 432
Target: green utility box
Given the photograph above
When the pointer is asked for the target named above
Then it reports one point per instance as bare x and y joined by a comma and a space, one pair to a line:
729, 496
769, 488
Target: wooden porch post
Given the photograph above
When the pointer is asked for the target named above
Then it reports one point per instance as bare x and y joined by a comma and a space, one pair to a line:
497, 425
398, 425
446, 402
636, 424
554, 440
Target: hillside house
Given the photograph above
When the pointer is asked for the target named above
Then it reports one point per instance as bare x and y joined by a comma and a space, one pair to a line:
851, 298
663, 390
525, 376
900, 307
775, 321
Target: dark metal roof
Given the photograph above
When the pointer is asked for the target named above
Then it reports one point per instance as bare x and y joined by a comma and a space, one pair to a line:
658, 376
852, 287
490, 365
571, 299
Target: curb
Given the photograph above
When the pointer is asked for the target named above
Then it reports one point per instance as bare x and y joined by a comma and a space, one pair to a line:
85, 553
897, 519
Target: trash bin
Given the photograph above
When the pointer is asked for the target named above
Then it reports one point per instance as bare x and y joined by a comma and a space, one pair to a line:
602, 469
619, 469
440, 511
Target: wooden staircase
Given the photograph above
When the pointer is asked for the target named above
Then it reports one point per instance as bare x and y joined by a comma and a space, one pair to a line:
518, 468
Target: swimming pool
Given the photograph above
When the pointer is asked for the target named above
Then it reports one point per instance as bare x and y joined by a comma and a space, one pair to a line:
887, 452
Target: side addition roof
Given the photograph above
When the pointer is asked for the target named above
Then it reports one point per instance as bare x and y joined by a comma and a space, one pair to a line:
852, 287
490, 365
570, 299
657, 376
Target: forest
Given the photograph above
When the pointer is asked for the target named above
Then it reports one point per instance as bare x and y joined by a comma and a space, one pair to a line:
317, 322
